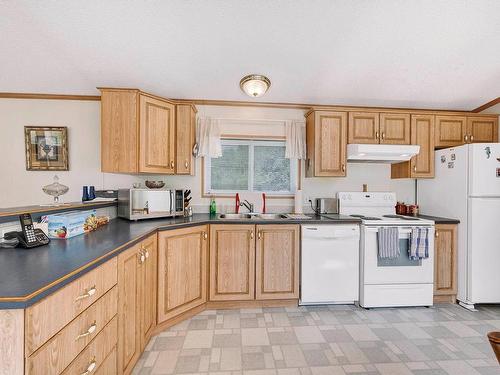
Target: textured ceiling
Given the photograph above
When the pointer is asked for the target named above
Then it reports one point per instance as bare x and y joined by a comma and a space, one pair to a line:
404, 53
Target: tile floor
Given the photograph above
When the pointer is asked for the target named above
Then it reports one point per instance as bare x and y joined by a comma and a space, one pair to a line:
445, 339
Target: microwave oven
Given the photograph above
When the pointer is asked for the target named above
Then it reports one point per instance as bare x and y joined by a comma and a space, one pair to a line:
138, 204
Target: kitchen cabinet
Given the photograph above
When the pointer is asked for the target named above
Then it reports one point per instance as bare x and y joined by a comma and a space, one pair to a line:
156, 136
395, 128
144, 133
422, 164
326, 135
185, 139
450, 131
232, 262
482, 129
250, 262
182, 270
363, 127
277, 262
445, 263
136, 280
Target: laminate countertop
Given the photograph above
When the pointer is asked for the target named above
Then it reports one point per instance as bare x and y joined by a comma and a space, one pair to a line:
28, 275
438, 219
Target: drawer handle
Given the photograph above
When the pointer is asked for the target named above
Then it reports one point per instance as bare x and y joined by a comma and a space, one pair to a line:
87, 294
141, 257
89, 331
205, 235
90, 367
145, 251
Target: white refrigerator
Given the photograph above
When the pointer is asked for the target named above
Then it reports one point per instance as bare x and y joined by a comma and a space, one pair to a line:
467, 187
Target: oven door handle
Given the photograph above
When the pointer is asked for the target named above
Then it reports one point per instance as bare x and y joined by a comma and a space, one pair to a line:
402, 230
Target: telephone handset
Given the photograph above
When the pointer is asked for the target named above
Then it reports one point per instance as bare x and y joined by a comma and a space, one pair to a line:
29, 236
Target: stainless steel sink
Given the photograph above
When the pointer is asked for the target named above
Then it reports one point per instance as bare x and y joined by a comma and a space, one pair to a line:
235, 216
270, 216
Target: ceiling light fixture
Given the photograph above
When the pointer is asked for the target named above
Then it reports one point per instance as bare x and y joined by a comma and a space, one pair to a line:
255, 85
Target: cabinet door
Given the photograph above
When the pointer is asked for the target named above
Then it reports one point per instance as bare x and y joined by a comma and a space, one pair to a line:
482, 129
119, 121
182, 270
422, 134
445, 260
129, 346
363, 127
232, 262
395, 128
450, 131
330, 139
157, 136
148, 289
277, 262
185, 138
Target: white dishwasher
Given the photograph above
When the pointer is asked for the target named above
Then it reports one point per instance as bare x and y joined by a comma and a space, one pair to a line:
329, 264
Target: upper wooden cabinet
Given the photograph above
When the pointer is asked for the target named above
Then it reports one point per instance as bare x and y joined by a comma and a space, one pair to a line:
182, 270
374, 128
421, 165
277, 262
395, 128
482, 129
143, 133
326, 134
450, 131
363, 127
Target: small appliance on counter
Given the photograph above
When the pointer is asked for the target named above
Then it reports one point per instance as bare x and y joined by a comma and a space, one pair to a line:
326, 206
140, 203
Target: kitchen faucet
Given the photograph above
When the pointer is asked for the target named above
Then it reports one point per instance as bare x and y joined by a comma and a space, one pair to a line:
248, 205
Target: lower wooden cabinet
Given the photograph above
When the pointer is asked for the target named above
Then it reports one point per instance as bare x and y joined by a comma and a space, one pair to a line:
182, 270
277, 262
445, 263
136, 280
232, 262
249, 262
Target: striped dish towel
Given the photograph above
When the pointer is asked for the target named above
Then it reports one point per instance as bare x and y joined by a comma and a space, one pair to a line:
388, 243
419, 243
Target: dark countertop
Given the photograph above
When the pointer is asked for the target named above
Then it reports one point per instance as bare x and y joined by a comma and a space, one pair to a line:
439, 220
27, 275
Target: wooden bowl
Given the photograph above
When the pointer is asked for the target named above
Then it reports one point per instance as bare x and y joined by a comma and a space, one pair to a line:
494, 338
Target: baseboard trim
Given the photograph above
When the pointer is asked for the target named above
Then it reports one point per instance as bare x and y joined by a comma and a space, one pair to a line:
251, 304
449, 298
179, 318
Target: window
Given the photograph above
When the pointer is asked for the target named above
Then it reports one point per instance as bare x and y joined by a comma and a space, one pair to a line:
250, 165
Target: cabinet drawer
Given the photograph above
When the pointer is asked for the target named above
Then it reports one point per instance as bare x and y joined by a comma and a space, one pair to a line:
47, 317
60, 350
100, 354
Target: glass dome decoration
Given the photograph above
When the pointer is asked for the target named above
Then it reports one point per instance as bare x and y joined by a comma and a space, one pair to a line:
55, 190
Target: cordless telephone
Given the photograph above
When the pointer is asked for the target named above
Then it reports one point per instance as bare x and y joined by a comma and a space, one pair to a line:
28, 237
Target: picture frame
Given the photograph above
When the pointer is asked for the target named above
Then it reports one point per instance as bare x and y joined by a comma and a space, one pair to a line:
46, 148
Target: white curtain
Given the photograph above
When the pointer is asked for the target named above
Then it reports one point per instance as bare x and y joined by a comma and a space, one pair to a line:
295, 132
208, 138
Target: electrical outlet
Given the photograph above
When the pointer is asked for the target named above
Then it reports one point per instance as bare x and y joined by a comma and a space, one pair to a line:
308, 199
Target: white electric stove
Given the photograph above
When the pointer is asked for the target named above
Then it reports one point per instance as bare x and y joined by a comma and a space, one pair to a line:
389, 282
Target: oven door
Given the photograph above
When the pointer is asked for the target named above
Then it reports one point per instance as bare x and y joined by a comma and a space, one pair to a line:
401, 270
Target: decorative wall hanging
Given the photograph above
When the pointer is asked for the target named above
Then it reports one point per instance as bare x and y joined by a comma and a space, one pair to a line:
46, 148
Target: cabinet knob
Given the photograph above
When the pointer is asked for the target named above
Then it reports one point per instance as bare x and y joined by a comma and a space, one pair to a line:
251, 235
89, 293
90, 367
141, 257
146, 253
415, 168
172, 164
471, 138
343, 167
88, 332
259, 234
186, 165
205, 235
377, 135
437, 234
466, 138
383, 135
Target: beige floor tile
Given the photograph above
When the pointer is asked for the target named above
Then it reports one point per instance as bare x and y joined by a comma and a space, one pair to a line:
308, 335
198, 339
230, 359
165, 363
393, 369
254, 336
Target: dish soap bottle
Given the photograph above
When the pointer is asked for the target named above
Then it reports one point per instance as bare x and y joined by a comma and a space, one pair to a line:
213, 206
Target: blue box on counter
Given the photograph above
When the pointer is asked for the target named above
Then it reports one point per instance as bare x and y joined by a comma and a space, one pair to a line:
70, 224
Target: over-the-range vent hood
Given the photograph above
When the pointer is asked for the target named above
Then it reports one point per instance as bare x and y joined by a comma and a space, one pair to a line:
365, 153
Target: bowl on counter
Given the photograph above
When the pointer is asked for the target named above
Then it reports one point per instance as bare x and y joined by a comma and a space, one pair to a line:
155, 184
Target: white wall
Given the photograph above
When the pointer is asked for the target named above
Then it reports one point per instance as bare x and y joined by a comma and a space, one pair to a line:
20, 187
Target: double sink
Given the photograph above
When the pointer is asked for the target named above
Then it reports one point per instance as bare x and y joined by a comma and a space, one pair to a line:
253, 216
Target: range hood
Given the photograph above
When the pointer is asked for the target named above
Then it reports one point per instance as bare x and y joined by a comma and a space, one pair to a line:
365, 153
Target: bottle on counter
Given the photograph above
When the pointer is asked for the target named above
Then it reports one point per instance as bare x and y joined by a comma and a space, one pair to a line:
213, 206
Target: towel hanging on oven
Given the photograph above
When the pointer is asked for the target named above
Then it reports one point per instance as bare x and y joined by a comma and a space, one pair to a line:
419, 243
388, 243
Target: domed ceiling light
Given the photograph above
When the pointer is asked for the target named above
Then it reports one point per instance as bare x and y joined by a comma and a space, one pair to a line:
255, 85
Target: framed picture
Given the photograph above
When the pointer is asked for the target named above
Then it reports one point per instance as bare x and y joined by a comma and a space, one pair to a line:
46, 148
